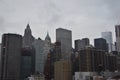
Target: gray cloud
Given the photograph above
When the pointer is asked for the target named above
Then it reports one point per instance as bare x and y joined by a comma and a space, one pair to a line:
86, 18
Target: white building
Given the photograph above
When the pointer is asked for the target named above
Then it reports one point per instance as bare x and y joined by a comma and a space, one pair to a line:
84, 75
108, 37
36, 77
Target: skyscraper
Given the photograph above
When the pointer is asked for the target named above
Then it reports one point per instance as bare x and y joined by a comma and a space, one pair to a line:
64, 36
11, 56
27, 62
81, 44
90, 59
42, 48
117, 30
100, 44
108, 37
28, 39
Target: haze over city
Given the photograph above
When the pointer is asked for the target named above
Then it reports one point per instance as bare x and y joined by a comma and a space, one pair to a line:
85, 18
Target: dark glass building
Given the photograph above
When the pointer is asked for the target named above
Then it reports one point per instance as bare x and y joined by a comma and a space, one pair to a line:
27, 62
100, 44
11, 56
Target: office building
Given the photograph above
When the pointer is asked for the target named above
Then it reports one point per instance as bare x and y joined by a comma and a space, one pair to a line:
117, 31
28, 39
42, 48
90, 59
11, 56
64, 36
100, 44
111, 62
63, 70
27, 62
108, 37
81, 44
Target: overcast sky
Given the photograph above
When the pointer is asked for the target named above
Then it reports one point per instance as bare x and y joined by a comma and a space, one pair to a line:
86, 18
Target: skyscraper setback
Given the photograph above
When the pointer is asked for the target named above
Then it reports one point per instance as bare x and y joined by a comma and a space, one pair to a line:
64, 36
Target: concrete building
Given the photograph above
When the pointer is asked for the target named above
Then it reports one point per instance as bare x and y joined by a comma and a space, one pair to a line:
117, 31
64, 36
42, 48
63, 70
100, 44
108, 37
36, 77
111, 62
11, 56
81, 44
84, 75
28, 39
90, 59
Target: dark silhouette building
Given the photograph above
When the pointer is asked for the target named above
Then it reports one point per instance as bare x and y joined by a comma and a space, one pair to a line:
81, 44
100, 44
27, 62
28, 39
11, 56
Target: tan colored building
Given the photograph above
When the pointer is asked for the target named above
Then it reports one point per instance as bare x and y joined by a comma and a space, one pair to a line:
63, 70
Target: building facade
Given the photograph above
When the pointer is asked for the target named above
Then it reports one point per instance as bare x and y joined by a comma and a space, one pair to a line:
11, 56
63, 70
27, 62
81, 44
117, 31
65, 38
42, 48
90, 59
101, 44
108, 37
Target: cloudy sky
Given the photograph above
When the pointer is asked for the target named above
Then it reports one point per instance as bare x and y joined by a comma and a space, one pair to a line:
86, 18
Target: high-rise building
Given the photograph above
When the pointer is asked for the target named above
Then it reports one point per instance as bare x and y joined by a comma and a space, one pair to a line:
28, 39
27, 62
100, 44
90, 59
63, 70
108, 37
42, 48
64, 36
117, 30
81, 44
11, 56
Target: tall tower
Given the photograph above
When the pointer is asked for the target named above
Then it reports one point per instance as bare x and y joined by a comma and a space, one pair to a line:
28, 39
81, 44
108, 37
100, 44
11, 56
64, 36
117, 30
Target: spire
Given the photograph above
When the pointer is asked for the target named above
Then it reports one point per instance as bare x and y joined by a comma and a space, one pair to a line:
28, 30
47, 38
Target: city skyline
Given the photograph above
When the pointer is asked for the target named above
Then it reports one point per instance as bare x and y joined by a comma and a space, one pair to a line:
84, 18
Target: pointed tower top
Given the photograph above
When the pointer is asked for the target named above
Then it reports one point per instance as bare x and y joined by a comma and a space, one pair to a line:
47, 38
27, 30
28, 26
